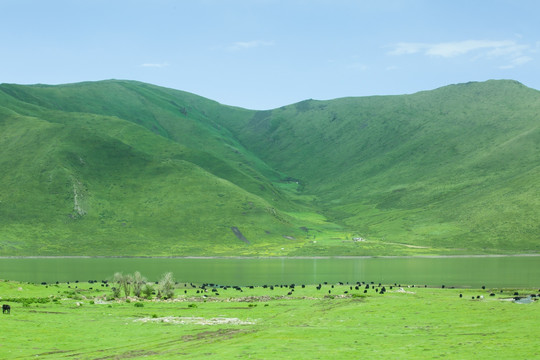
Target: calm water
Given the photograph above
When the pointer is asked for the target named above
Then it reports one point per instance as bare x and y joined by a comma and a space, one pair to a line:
512, 271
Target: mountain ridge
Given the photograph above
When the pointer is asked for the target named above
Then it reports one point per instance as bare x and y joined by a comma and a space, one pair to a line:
449, 170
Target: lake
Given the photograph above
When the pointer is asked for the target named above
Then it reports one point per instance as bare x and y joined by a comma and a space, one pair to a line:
499, 271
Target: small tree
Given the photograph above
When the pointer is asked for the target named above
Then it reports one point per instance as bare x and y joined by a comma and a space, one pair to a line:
147, 290
123, 282
166, 285
127, 282
138, 283
117, 280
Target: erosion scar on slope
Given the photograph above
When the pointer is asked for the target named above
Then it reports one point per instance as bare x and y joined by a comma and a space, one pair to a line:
239, 235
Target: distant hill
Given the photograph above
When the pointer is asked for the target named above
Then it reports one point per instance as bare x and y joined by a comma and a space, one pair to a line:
128, 168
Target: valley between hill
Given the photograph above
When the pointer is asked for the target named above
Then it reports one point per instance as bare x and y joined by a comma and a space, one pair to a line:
132, 169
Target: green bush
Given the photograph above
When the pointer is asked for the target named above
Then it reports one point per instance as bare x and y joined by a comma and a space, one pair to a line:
358, 295
166, 286
147, 290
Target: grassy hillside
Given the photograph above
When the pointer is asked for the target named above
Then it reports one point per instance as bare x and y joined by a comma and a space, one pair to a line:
127, 168
178, 116
457, 167
80, 183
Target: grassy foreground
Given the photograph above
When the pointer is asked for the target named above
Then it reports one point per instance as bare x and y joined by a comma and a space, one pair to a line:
80, 321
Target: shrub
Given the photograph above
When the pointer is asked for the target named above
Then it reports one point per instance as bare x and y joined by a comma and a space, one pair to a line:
118, 279
123, 282
166, 285
127, 282
358, 295
147, 290
138, 283
139, 304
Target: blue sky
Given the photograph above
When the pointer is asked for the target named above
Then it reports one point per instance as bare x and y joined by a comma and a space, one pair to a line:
263, 54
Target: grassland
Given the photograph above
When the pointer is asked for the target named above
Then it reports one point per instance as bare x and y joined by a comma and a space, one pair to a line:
439, 168
81, 321
89, 184
127, 168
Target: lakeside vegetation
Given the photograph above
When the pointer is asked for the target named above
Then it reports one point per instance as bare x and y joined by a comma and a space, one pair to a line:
86, 321
127, 168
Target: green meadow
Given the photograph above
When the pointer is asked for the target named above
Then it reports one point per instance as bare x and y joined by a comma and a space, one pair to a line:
127, 168
83, 321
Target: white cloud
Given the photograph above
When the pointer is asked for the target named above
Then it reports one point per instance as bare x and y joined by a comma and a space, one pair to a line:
407, 48
510, 50
522, 60
451, 49
155, 65
513, 52
240, 45
516, 62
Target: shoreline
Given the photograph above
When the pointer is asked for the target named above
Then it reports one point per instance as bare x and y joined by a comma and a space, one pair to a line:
270, 257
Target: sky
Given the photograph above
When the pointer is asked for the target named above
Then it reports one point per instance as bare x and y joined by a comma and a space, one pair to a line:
263, 54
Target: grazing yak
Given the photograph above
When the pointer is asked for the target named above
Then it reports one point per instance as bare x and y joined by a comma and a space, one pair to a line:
6, 309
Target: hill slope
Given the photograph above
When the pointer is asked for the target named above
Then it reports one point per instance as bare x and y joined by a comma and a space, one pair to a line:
82, 183
457, 167
127, 168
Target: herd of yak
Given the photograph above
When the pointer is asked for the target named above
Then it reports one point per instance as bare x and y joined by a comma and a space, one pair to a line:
6, 309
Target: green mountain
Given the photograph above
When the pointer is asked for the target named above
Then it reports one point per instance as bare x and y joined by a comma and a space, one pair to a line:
127, 168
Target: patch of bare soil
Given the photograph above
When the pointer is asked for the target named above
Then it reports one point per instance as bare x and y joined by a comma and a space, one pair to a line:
46, 312
129, 355
52, 352
221, 334
179, 320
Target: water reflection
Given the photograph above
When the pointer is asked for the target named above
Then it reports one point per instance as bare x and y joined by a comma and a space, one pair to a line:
513, 271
